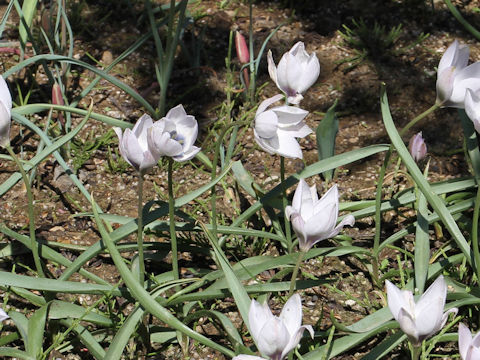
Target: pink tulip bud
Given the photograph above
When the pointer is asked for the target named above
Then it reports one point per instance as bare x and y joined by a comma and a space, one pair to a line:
242, 48
417, 147
57, 98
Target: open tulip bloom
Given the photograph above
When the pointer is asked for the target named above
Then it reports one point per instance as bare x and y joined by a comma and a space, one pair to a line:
134, 147
277, 128
469, 347
472, 108
5, 112
314, 220
295, 73
276, 336
454, 76
174, 135
419, 320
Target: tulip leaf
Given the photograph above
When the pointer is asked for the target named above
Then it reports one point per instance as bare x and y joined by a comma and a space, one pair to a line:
422, 244
326, 134
29, 8
436, 203
21, 322
387, 345
36, 329
122, 336
15, 353
86, 338
63, 310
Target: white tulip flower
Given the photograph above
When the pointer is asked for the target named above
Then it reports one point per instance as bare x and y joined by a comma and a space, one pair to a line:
454, 76
314, 220
469, 347
276, 128
419, 320
247, 357
295, 73
174, 135
276, 336
134, 147
5, 112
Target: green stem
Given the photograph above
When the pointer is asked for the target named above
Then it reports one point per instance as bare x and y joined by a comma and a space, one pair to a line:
461, 20
171, 214
252, 57
419, 117
293, 281
288, 234
415, 352
31, 213
476, 252
141, 259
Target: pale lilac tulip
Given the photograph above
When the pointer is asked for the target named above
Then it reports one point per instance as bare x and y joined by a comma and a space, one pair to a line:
472, 108
314, 220
454, 76
419, 320
295, 73
5, 113
134, 147
276, 336
276, 129
174, 135
417, 147
3, 315
469, 347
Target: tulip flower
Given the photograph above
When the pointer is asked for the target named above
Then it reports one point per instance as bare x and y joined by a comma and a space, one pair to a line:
3, 315
314, 220
472, 108
419, 320
134, 147
5, 113
417, 147
174, 135
276, 129
454, 76
469, 347
295, 73
276, 336
242, 48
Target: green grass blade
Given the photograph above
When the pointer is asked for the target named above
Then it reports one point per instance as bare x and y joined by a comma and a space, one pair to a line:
123, 335
63, 310
422, 244
15, 353
36, 329
326, 134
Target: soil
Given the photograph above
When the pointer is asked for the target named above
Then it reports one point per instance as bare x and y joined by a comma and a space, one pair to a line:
199, 83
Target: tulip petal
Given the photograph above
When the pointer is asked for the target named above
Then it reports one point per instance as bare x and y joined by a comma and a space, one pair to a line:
258, 316
298, 196
266, 103
299, 227
291, 314
444, 85
5, 123
247, 357
468, 77
289, 115
188, 155
448, 56
3, 315
266, 124
5, 96
310, 74
398, 299
464, 340
287, 145
272, 68
347, 220
330, 198
408, 326
273, 338
187, 129
295, 339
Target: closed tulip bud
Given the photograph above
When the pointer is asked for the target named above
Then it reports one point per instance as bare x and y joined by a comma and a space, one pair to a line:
242, 48
295, 73
314, 220
469, 347
276, 128
174, 135
57, 98
419, 320
417, 147
133, 145
276, 336
454, 76
5, 113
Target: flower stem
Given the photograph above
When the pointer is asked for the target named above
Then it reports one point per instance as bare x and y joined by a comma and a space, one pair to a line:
171, 215
31, 213
415, 352
419, 117
141, 260
293, 280
288, 234
476, 252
